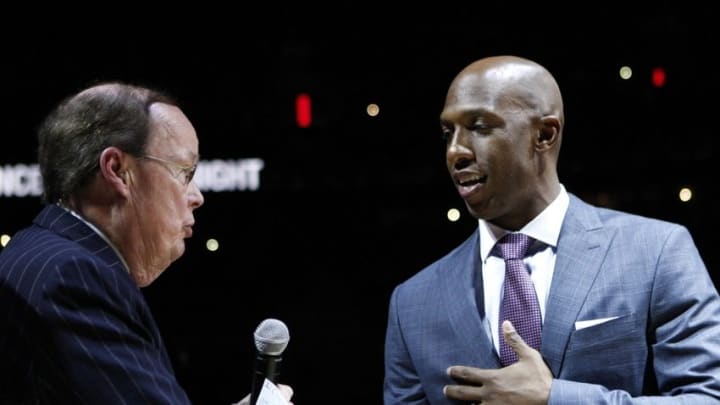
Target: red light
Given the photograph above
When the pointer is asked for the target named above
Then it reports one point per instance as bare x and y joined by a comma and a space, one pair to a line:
303, 110
658, 77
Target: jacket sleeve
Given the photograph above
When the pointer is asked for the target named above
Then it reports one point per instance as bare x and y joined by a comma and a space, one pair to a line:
402, 383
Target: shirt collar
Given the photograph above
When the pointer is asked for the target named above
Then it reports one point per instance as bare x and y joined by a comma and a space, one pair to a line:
99, 232
544, 228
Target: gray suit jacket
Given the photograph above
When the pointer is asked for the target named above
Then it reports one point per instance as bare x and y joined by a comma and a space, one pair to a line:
663, 338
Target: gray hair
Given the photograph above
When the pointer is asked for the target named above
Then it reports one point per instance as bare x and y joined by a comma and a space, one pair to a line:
74, 134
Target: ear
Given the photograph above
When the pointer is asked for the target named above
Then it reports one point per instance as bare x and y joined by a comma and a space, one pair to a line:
549, 133
115, 170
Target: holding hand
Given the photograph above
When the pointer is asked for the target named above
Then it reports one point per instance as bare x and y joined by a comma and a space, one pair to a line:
525, 382
286, 391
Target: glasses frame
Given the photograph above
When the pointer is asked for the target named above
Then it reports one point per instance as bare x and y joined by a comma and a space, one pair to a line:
187, 172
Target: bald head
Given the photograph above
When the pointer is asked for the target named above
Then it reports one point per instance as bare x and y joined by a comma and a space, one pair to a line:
503, 119
510, 80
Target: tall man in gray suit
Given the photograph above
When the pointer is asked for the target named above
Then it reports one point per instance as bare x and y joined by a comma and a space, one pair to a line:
117, 163
628, 311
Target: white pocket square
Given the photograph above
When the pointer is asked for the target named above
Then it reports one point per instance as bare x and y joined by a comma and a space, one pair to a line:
592, 322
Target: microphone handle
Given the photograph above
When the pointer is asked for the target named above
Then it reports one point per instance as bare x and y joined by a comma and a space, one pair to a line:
266, 366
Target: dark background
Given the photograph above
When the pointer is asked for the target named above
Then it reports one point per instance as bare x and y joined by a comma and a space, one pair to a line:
353, 205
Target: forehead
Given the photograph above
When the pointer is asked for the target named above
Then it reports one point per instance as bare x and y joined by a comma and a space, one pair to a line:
171, 131
496, 90
469, 94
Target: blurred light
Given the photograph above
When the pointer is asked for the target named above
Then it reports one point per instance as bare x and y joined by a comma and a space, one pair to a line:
4, 239
685, 194
658, 77
602, 199
625, 72
303, 110
212, 245
373, 109
229, 175
453, 214
20, 180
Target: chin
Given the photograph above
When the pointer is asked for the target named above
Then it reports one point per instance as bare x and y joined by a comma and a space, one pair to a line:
145, 279
178, 251
475, 213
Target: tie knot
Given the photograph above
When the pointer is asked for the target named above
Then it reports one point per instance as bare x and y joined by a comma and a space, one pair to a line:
514, 245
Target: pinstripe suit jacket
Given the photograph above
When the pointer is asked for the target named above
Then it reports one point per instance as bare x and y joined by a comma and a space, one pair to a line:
643, 276
74, 327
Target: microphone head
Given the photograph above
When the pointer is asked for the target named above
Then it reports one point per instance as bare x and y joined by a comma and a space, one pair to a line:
271, 337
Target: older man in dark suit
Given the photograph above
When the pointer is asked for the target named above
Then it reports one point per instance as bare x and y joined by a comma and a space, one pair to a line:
117, 163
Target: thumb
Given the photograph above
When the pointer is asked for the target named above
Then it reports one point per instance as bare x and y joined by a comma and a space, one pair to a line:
244, 401
515, 341
286, 391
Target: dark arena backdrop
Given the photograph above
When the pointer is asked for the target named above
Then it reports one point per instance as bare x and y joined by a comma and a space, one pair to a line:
314, 221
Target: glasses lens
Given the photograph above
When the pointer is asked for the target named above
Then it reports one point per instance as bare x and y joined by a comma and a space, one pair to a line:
185, 173
189, 174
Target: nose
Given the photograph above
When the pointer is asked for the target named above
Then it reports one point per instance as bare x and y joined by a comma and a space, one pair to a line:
196, 198
457, 154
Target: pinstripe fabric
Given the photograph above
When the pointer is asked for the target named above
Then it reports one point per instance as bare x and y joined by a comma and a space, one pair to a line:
75, 329
645, 275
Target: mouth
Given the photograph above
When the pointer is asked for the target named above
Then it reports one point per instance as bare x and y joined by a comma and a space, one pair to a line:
188, 231
470, 180
468, 183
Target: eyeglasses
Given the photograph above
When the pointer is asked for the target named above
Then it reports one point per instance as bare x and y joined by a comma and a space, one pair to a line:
185, 173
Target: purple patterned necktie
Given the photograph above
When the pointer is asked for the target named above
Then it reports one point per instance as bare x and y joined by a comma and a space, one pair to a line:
519, 304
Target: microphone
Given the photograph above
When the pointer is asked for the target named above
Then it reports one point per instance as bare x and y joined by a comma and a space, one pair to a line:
271, 339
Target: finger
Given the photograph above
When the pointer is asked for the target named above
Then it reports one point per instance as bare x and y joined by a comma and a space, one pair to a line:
463, 392
469, 375
459, 373
244, 401
514, 340
286, 390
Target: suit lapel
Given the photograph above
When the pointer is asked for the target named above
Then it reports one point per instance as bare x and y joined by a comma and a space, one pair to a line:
581, 250
463, 296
